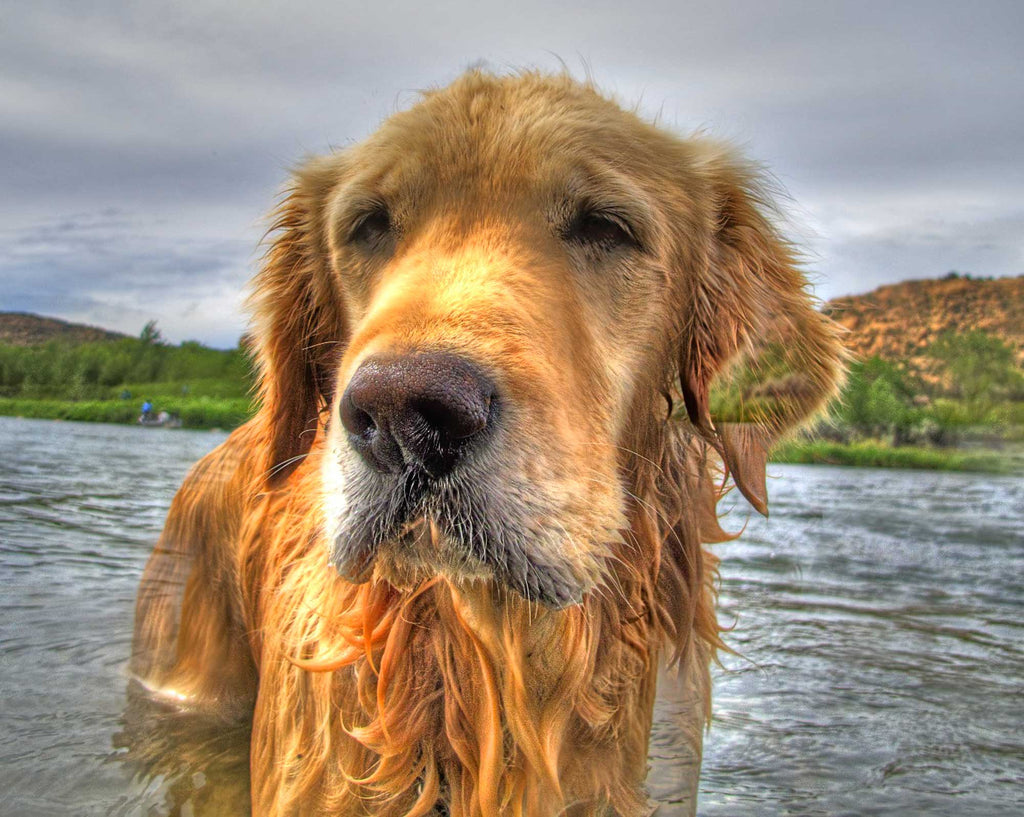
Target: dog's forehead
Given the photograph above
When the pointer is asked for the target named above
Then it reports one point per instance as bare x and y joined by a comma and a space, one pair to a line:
504, 131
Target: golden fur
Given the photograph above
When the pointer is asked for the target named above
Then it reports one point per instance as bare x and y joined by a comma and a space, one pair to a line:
433, 685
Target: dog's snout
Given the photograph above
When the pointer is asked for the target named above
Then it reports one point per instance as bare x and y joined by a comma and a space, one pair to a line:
425, 409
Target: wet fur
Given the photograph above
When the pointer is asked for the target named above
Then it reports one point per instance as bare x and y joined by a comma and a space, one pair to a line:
436, 682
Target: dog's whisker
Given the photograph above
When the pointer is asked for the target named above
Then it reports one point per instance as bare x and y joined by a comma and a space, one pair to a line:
284, 465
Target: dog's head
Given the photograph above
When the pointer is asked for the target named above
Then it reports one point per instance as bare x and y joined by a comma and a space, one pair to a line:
489, 302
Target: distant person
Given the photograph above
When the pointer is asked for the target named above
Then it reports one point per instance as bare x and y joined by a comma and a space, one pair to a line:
126, 395
147, 412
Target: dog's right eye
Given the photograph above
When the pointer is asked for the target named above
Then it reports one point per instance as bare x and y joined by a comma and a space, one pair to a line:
372, 228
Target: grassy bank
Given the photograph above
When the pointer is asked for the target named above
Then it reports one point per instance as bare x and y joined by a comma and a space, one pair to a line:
879, 455
198, 412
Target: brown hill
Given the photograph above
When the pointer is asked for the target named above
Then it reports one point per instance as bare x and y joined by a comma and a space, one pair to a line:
26, 329
898, 322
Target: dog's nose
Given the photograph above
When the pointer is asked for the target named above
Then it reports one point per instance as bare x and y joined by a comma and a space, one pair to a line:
426, 409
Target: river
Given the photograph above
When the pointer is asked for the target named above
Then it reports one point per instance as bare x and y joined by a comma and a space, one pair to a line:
878, 624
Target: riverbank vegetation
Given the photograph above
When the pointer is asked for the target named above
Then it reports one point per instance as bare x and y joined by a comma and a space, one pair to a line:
880, 454
969, 417
108, 381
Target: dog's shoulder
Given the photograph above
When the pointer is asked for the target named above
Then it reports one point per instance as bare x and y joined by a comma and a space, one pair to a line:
189, 591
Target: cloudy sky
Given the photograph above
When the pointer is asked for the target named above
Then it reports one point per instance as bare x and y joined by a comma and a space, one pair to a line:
142, 143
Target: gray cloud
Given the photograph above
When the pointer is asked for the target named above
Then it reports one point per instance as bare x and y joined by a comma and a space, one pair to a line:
865, 256
112, 269
142, 142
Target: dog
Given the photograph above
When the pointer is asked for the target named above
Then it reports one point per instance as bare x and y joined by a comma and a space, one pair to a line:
509, 349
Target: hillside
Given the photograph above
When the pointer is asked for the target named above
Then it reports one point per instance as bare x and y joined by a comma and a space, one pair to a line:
898, 322
26, 329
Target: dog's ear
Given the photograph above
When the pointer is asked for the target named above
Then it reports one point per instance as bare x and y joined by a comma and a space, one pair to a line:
298, 326
757, 358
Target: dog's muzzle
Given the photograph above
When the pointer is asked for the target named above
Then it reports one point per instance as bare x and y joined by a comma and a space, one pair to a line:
426, 429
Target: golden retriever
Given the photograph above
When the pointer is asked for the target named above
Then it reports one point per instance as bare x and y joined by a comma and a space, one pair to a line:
441, 566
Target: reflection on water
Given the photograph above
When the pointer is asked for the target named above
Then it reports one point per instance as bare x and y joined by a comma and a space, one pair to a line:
80, 509
878, 618
196, 762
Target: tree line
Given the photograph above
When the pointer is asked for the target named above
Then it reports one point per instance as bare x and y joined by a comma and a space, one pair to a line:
104, 369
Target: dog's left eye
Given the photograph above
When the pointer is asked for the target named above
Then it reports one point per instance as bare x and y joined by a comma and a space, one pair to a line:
372, 228
604, 230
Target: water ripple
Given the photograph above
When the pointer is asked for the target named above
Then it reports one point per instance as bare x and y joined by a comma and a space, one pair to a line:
879, 621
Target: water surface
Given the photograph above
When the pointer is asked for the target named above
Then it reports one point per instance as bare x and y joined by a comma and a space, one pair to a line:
879, 618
